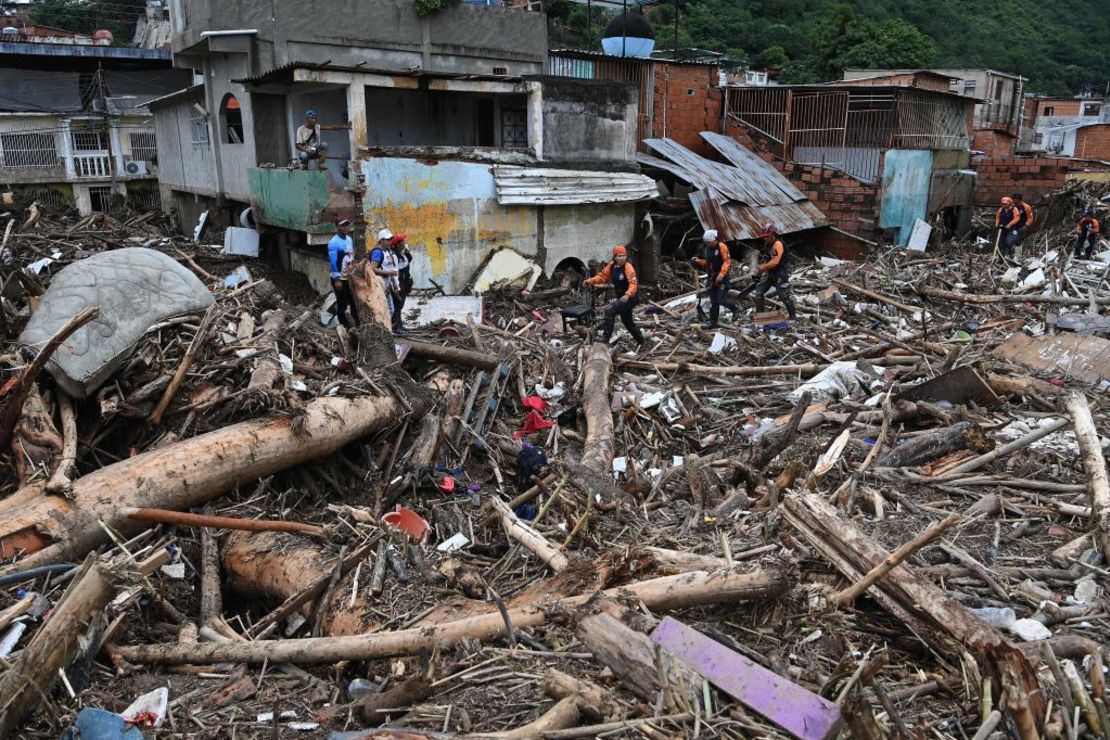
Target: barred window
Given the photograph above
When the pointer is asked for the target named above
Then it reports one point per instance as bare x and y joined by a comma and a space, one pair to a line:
143, 146
30, 150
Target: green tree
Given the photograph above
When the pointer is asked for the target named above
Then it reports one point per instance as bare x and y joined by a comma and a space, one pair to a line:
87, 16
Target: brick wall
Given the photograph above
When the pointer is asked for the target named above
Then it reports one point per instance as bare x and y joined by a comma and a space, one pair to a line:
850, 205
1032, 177
996, 144
688, 99
1093, 142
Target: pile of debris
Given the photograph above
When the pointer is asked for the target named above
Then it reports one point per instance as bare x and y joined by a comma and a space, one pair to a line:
891, 515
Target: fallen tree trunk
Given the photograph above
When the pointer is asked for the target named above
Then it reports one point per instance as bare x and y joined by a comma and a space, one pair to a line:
668, 592
1094, 464
927, 611
451, 355
180, 476
962, 436
75, 624
988, 457
1019, 385
597, 452
61, 482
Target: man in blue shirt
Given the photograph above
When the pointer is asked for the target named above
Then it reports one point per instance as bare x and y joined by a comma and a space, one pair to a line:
341, 251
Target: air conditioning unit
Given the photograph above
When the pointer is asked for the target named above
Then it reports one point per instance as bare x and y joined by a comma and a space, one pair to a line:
136, 168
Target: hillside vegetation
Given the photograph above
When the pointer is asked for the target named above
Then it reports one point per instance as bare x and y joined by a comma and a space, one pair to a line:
1060, 46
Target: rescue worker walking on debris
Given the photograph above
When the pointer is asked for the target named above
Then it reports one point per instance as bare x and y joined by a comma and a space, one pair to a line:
1006, 220
625, 285
404, 270
1088, 229
714, 259
383, 262
775, 271
1025, 217
341, 252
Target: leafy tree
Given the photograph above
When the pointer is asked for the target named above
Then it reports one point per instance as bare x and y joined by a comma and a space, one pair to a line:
87, 16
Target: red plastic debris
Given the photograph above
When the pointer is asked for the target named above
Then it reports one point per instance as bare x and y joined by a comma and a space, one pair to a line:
408, 521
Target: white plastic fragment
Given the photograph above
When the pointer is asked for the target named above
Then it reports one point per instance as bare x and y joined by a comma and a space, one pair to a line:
155, 702
1030, 630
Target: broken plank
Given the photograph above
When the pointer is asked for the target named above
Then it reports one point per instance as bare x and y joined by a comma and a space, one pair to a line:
957, 386
800, 711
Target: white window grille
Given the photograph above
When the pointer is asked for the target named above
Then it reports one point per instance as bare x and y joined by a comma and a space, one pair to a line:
90, 141
91, 158
29, 150
144, 147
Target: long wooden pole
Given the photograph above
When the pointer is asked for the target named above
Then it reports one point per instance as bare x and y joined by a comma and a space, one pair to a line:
894, 559
1094, 464
598, 449
668, 592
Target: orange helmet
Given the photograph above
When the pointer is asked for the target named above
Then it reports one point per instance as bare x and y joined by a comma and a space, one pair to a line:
619, 251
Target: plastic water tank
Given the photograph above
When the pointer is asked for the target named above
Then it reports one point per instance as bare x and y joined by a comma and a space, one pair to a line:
629, 35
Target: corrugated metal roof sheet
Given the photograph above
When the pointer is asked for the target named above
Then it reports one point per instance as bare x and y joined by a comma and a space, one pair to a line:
552, 187
736, 221
736, 199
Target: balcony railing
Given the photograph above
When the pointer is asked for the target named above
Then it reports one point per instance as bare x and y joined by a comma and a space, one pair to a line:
93, 165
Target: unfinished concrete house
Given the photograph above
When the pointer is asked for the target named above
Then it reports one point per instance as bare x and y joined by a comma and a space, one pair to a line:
447, 131
875, 159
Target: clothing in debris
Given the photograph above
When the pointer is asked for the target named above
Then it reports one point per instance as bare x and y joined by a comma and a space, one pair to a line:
1088, 230
775, 271
625, 286
714, 259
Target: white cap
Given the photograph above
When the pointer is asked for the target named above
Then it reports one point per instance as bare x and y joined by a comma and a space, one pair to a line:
385, 234
710, 235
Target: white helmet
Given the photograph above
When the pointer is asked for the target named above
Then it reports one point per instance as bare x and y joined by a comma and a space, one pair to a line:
710, 235
385, 234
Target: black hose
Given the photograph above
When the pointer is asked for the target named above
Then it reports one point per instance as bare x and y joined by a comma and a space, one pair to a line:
30, 575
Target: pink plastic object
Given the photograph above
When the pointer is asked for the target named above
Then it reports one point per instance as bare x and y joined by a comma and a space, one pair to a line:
408, 521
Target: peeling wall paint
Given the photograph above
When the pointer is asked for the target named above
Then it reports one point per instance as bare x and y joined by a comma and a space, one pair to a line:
449, 211
450, 214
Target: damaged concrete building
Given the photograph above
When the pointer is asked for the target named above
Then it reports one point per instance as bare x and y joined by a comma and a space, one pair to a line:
875, 159
74, 124
450, 133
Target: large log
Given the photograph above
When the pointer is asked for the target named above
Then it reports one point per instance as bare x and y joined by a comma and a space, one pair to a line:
947, 626
936, 443
597, 453
451, 355
180, 476
668, 592
1094, 464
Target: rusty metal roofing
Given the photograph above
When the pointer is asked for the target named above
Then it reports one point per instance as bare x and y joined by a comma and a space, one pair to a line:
736, 199
553, 187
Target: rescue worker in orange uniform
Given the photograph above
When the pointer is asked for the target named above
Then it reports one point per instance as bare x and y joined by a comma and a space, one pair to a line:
1088, 229
622, 276
775, 271
714, 259
1007, 219
1025, 217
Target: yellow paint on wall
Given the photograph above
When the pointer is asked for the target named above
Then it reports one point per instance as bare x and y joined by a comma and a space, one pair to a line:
427, 227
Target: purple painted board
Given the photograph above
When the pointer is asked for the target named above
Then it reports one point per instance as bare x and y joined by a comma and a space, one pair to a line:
800, 711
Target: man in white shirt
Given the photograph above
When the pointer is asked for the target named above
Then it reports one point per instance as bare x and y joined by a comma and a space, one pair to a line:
309, 142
